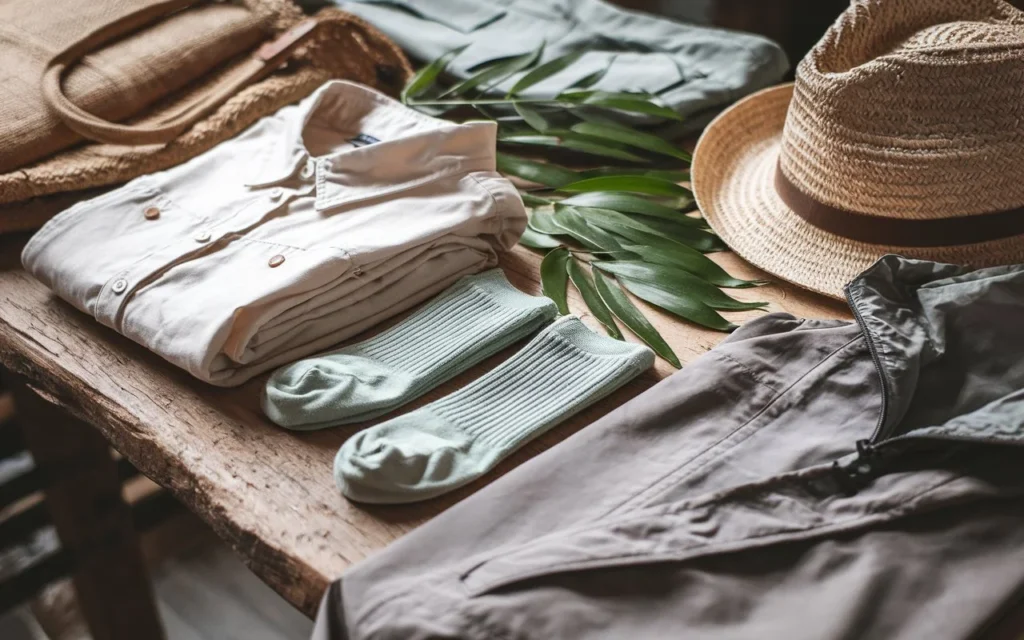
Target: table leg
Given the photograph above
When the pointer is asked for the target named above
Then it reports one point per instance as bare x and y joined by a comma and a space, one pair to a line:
83, 495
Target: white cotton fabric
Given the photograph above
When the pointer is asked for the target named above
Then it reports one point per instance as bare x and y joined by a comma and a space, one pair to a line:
365, 206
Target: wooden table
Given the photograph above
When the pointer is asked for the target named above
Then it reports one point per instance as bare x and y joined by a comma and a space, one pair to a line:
268, 492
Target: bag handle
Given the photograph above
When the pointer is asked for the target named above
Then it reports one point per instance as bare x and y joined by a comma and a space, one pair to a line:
267, 58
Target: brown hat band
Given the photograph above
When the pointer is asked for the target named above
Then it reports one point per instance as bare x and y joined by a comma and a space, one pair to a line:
901, 232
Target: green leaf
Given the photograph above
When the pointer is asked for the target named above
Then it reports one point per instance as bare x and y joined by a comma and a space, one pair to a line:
591, 79
692, 261
676, 280
537, 240
699, 239
630, 136
682, 234
598, 148
545, 71
585, 286
633, 318
544, 223
658, 249
681, 175
532, 117
495, 72
571, 221
629, 102
629, 203
627, 227
426, 76
531, 200
554, 278
634, 184
547, 174
576, 142
665, 174
574, 96
615, 222
681, 304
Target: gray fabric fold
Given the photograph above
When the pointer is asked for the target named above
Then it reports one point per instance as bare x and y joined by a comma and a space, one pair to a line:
712, 506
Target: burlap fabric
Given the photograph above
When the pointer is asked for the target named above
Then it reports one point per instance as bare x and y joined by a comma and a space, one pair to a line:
905, 111
114, 78
343, 46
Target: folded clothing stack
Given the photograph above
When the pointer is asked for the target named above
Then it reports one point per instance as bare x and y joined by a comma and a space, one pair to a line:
316, 223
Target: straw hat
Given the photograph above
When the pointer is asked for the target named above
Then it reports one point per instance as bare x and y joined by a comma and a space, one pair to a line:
903, 133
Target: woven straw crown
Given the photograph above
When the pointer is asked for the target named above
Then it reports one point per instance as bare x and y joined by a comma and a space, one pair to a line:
902, 134
919, 127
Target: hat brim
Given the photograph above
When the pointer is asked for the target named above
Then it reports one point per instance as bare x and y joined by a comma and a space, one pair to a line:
733, 181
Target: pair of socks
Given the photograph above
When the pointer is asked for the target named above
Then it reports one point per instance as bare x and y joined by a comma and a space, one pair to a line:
456, 439
464, 325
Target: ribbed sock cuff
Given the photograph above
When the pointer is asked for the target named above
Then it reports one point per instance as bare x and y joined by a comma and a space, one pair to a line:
473, 310
564, 369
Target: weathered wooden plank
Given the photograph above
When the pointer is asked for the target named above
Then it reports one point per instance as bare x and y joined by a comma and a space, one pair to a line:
267, 491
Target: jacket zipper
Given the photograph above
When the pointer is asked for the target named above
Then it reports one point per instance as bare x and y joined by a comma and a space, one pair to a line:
866, 466
872, 454
873, 350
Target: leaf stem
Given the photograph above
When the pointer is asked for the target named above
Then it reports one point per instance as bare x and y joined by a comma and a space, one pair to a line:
436, 103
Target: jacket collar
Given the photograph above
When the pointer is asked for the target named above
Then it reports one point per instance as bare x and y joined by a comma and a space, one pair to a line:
365, 145
949, 347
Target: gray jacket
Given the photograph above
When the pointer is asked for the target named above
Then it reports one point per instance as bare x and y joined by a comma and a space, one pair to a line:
695, 70
805, 479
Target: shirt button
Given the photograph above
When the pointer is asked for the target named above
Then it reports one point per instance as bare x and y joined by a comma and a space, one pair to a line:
276, 261
276, 193
152, 213
119, 285
203, 236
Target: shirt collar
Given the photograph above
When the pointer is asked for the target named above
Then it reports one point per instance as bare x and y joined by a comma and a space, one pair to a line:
383, 147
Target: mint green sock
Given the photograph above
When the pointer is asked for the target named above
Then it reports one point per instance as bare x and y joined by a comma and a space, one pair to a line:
457, 439
470, 321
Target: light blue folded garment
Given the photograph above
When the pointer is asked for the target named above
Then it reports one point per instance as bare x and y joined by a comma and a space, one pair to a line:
696, 70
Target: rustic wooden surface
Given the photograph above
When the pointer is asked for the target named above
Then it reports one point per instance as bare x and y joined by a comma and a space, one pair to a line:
269, 492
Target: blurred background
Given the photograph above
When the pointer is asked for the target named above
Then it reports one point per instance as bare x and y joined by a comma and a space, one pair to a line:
795, 24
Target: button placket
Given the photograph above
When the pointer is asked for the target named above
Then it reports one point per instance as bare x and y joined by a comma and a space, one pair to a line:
115, 296
112, 297
188, 238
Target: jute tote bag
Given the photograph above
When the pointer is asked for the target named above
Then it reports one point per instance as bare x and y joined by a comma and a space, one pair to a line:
101, 91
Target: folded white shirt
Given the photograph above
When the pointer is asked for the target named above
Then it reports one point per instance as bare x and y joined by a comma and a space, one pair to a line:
311, 226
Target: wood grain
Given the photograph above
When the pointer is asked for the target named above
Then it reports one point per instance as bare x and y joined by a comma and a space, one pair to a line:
269, 492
